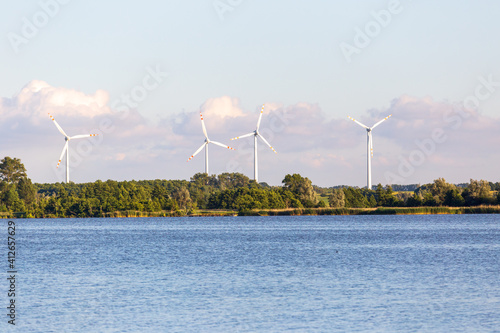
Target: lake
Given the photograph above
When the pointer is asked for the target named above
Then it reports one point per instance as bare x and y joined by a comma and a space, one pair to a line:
426, 273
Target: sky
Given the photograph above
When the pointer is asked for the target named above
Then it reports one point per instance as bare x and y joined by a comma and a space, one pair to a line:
139, 74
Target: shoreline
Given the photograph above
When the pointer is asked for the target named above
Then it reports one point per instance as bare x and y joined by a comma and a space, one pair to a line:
376, 211
287, 212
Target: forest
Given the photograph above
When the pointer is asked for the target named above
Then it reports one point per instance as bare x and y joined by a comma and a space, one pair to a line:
232, 192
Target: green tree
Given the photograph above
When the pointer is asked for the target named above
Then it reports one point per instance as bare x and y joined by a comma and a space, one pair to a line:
439, 189
201, 179
354, 198
275, 200
379, 194
10, 197
18, 206
322, 204
337, 198
26, 190
245, 203
386, 197
302, 188
372, 201
453, 198
153, 206
231, 180
159, 192
289, 199
260, 197
182, 197
415, 201
477, 193
429, 200
12, 170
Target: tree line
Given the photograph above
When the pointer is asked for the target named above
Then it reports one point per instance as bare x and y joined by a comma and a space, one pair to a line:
438, 193
227, 191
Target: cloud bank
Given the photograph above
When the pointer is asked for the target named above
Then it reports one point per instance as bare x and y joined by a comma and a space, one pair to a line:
329, 150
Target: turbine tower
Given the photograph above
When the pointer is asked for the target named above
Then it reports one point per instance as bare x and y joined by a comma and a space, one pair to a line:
255, 135
369, 151
205, 144
66, 145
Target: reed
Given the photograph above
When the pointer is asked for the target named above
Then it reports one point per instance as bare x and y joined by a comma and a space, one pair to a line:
292, 212
375, 211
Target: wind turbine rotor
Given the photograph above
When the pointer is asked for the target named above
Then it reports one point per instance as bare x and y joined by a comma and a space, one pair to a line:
199, 149
221, 144
205, 144
256, 134
203, 126
82, 136
267, 143
62, 153
244, 136
58, 127
357, 122
260, 116
380, 122
66, 145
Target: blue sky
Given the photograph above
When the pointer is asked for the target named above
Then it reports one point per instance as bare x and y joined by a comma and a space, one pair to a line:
421, 61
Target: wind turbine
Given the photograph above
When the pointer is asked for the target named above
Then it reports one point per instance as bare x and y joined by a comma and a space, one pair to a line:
255, 135
205, 144
66, 146
369, 147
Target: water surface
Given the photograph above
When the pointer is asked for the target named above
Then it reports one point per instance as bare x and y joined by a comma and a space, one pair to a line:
260, 274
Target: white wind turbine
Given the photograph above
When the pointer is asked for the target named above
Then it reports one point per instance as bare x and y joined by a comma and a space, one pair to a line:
369, 147
66, 146
255, 135
205, 144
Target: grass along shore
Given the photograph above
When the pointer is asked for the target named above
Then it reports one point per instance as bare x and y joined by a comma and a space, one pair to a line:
375, 211
291, 212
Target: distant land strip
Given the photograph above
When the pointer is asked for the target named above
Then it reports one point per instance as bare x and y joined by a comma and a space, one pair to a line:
233, 194
294, 212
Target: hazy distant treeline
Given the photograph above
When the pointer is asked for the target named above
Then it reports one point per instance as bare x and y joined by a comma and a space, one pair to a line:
230, 191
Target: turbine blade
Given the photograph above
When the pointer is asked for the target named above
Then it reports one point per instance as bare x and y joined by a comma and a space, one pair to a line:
221, 144
203, 126
267, 143
83, 136
380, 122
243, 136
62, 154
357, 122
260, 116
199, 149
58, 127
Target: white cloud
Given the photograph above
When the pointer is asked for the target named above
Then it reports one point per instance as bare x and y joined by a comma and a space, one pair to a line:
38, 98
328, 151
223, 107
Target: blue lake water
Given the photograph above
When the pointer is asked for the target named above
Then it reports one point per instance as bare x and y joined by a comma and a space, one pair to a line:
257, 274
